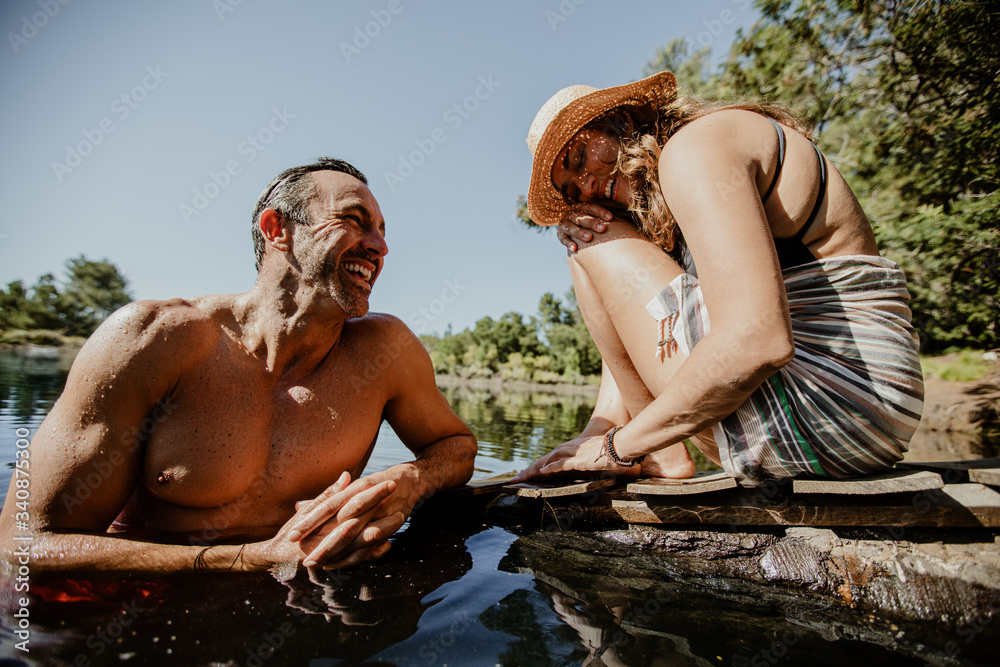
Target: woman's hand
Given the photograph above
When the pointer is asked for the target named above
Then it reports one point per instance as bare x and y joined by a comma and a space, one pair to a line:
584, 454
580, 222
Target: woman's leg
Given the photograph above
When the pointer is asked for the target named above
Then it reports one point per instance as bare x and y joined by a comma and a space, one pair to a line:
615, 277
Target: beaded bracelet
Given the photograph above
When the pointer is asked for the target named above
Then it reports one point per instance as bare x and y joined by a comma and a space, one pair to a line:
609, 449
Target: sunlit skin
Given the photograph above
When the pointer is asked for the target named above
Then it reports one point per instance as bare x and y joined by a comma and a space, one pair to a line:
265, 408
712, 174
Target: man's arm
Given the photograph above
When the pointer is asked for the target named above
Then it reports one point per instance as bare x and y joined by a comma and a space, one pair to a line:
420, 415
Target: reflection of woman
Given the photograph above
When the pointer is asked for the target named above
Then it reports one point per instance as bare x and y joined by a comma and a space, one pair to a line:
788, 352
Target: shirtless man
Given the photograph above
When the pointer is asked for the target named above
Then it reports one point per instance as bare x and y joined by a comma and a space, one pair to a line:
229, 432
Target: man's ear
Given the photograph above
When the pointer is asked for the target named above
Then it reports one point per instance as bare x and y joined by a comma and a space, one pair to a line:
276, 231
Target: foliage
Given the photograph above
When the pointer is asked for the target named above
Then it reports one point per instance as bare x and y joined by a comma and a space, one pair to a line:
91, 292
811, 56
521, 213
965, 366
953, 270
552, 347
940, 83
690, 69
44, 337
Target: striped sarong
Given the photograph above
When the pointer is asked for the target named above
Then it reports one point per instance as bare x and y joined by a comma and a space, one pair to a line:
849, 402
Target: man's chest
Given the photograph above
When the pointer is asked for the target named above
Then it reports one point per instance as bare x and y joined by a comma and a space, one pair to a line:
216, 441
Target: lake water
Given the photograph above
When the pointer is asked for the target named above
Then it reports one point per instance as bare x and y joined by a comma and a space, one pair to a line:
454, 590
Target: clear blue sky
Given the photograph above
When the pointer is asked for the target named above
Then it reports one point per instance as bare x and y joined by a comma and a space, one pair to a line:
155, 97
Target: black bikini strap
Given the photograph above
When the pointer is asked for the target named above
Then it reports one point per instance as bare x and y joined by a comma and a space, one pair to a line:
819, 197
781, 159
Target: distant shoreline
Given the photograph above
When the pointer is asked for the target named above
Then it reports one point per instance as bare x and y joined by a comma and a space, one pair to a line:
26, 338
498, 385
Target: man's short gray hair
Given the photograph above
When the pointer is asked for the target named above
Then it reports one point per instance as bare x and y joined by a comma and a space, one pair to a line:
290, 194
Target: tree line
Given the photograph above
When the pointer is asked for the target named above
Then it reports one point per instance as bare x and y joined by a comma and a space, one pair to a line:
76, 306
552, 346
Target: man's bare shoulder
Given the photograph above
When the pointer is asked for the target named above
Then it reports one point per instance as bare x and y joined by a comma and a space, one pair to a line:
384, 334
135, 358
380, 324
182, 328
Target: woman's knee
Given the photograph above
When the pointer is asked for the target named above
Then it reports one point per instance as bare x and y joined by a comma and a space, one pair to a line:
622, 264
615, 230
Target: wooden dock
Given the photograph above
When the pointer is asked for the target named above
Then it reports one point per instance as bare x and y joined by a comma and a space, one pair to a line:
958, 494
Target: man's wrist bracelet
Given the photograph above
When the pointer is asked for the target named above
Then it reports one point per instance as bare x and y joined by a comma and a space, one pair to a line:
609, 449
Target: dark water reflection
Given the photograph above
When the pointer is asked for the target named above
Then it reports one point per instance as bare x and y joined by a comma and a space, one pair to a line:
323, 618
31, 380
454, 590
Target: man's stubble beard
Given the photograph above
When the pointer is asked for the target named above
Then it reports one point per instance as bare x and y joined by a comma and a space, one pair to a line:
327, 272
349, 298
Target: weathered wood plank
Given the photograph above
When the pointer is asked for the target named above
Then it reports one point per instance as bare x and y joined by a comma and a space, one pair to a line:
979, 501
990, 476
556, 490
489, 485
479, 487
700, 483
953, 472
897, 481
955, 505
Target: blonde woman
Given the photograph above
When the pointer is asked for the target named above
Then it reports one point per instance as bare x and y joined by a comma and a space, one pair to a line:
773, 335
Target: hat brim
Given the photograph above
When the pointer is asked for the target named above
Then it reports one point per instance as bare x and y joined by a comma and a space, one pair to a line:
546, 205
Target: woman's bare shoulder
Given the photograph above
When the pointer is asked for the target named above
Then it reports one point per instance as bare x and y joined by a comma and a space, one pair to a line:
722, 143
726, 128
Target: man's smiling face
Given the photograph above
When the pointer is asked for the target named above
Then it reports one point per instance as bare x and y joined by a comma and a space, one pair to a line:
343, 245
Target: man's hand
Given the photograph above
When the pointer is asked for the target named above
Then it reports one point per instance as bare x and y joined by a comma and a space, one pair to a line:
343, 526
409, 481
579, 223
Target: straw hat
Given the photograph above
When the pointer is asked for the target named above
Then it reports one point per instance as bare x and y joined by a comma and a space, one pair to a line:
565, 114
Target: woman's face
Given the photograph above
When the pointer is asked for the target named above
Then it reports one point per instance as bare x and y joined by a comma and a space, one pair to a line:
584, 171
